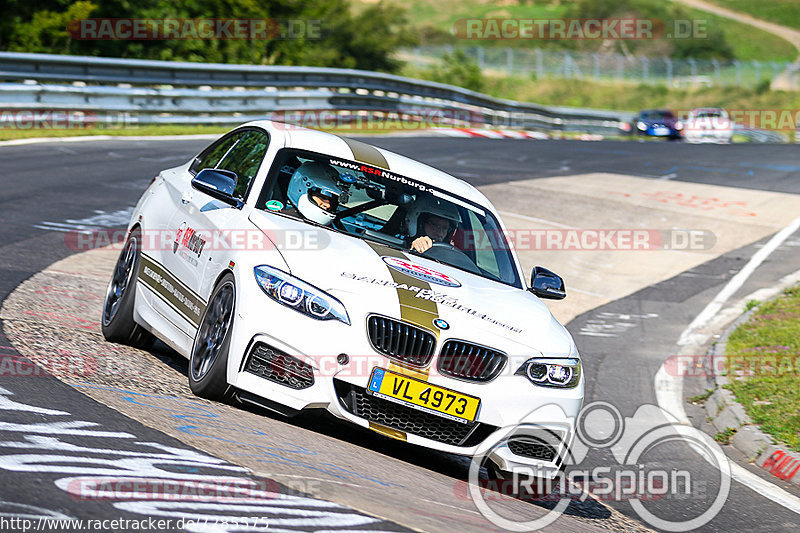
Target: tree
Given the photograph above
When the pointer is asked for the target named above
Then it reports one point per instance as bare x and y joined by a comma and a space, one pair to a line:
325, 32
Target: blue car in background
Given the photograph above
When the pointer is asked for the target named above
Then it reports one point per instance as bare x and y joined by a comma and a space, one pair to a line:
657, 123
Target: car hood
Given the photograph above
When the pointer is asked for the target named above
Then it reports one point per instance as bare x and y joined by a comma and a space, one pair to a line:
371, 278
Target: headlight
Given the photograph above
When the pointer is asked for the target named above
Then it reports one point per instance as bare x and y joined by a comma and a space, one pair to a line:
558, 373
299, 295
641, 125
679, 125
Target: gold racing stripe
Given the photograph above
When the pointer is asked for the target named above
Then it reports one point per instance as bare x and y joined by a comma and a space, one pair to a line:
389, 432
364, 153
417, 311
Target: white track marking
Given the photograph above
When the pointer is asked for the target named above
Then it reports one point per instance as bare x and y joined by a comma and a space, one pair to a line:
588, 293
736, 283
669, 389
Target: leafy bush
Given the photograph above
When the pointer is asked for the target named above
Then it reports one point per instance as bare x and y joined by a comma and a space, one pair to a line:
458, 69
365, 41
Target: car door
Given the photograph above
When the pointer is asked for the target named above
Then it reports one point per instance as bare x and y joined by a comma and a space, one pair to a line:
200, 221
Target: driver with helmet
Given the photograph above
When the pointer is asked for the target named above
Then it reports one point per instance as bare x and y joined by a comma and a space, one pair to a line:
430, 220
314, 192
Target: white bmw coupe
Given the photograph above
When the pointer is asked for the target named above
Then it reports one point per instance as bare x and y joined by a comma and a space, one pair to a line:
297, 269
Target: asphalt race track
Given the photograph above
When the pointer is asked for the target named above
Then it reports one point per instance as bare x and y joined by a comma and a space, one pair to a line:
55, 436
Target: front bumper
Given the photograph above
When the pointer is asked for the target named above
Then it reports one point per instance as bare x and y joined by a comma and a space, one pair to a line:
507, 402
510, 406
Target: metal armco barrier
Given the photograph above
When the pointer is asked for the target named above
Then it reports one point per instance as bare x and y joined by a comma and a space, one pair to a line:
173, 92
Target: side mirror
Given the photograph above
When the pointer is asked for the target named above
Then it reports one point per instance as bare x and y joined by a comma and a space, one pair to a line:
546, 284
218, 184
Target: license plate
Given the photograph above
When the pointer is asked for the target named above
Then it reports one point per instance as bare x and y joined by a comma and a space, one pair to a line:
661, 131
423, 396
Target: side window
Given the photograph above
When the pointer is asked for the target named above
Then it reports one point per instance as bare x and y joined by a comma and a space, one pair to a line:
244, 158
483, 247
211, 155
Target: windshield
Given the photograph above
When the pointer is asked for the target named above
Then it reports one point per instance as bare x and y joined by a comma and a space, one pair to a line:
655, 115
709, 114
380, 206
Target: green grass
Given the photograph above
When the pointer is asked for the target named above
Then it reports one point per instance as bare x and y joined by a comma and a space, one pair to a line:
724, 437
629, 96
764, 367
442, 14
7, 134
748, 43
365, 126
784, 12
701, 398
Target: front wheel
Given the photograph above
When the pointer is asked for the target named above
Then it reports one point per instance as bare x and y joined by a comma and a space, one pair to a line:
209, 359
117, 321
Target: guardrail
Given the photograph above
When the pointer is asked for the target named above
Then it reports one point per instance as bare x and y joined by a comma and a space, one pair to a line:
131, 91
175, 92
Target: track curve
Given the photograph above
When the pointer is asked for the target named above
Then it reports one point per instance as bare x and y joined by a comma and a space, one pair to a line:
56, 309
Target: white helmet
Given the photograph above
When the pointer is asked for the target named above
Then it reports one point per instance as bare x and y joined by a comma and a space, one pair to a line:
430, 205
318, 179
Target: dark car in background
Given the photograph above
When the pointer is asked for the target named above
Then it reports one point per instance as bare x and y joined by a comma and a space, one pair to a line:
657, 123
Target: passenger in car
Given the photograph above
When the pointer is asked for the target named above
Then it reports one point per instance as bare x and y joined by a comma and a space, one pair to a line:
434, 229
431, 220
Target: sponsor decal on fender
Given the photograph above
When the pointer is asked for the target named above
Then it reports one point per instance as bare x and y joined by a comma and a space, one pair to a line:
420, 272
170, 289
190, 239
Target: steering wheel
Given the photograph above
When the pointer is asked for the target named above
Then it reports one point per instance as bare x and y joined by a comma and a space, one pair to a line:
447, 253
440, 245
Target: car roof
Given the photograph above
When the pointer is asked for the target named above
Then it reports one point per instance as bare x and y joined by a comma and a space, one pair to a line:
707, 110
350, 149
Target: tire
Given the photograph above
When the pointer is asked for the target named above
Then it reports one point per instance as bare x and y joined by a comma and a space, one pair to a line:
117, 321
209, 360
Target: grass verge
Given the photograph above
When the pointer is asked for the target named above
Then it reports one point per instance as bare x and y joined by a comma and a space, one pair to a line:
13, 134
782, 12
368, 128
747, 43
622, 96
764, 367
